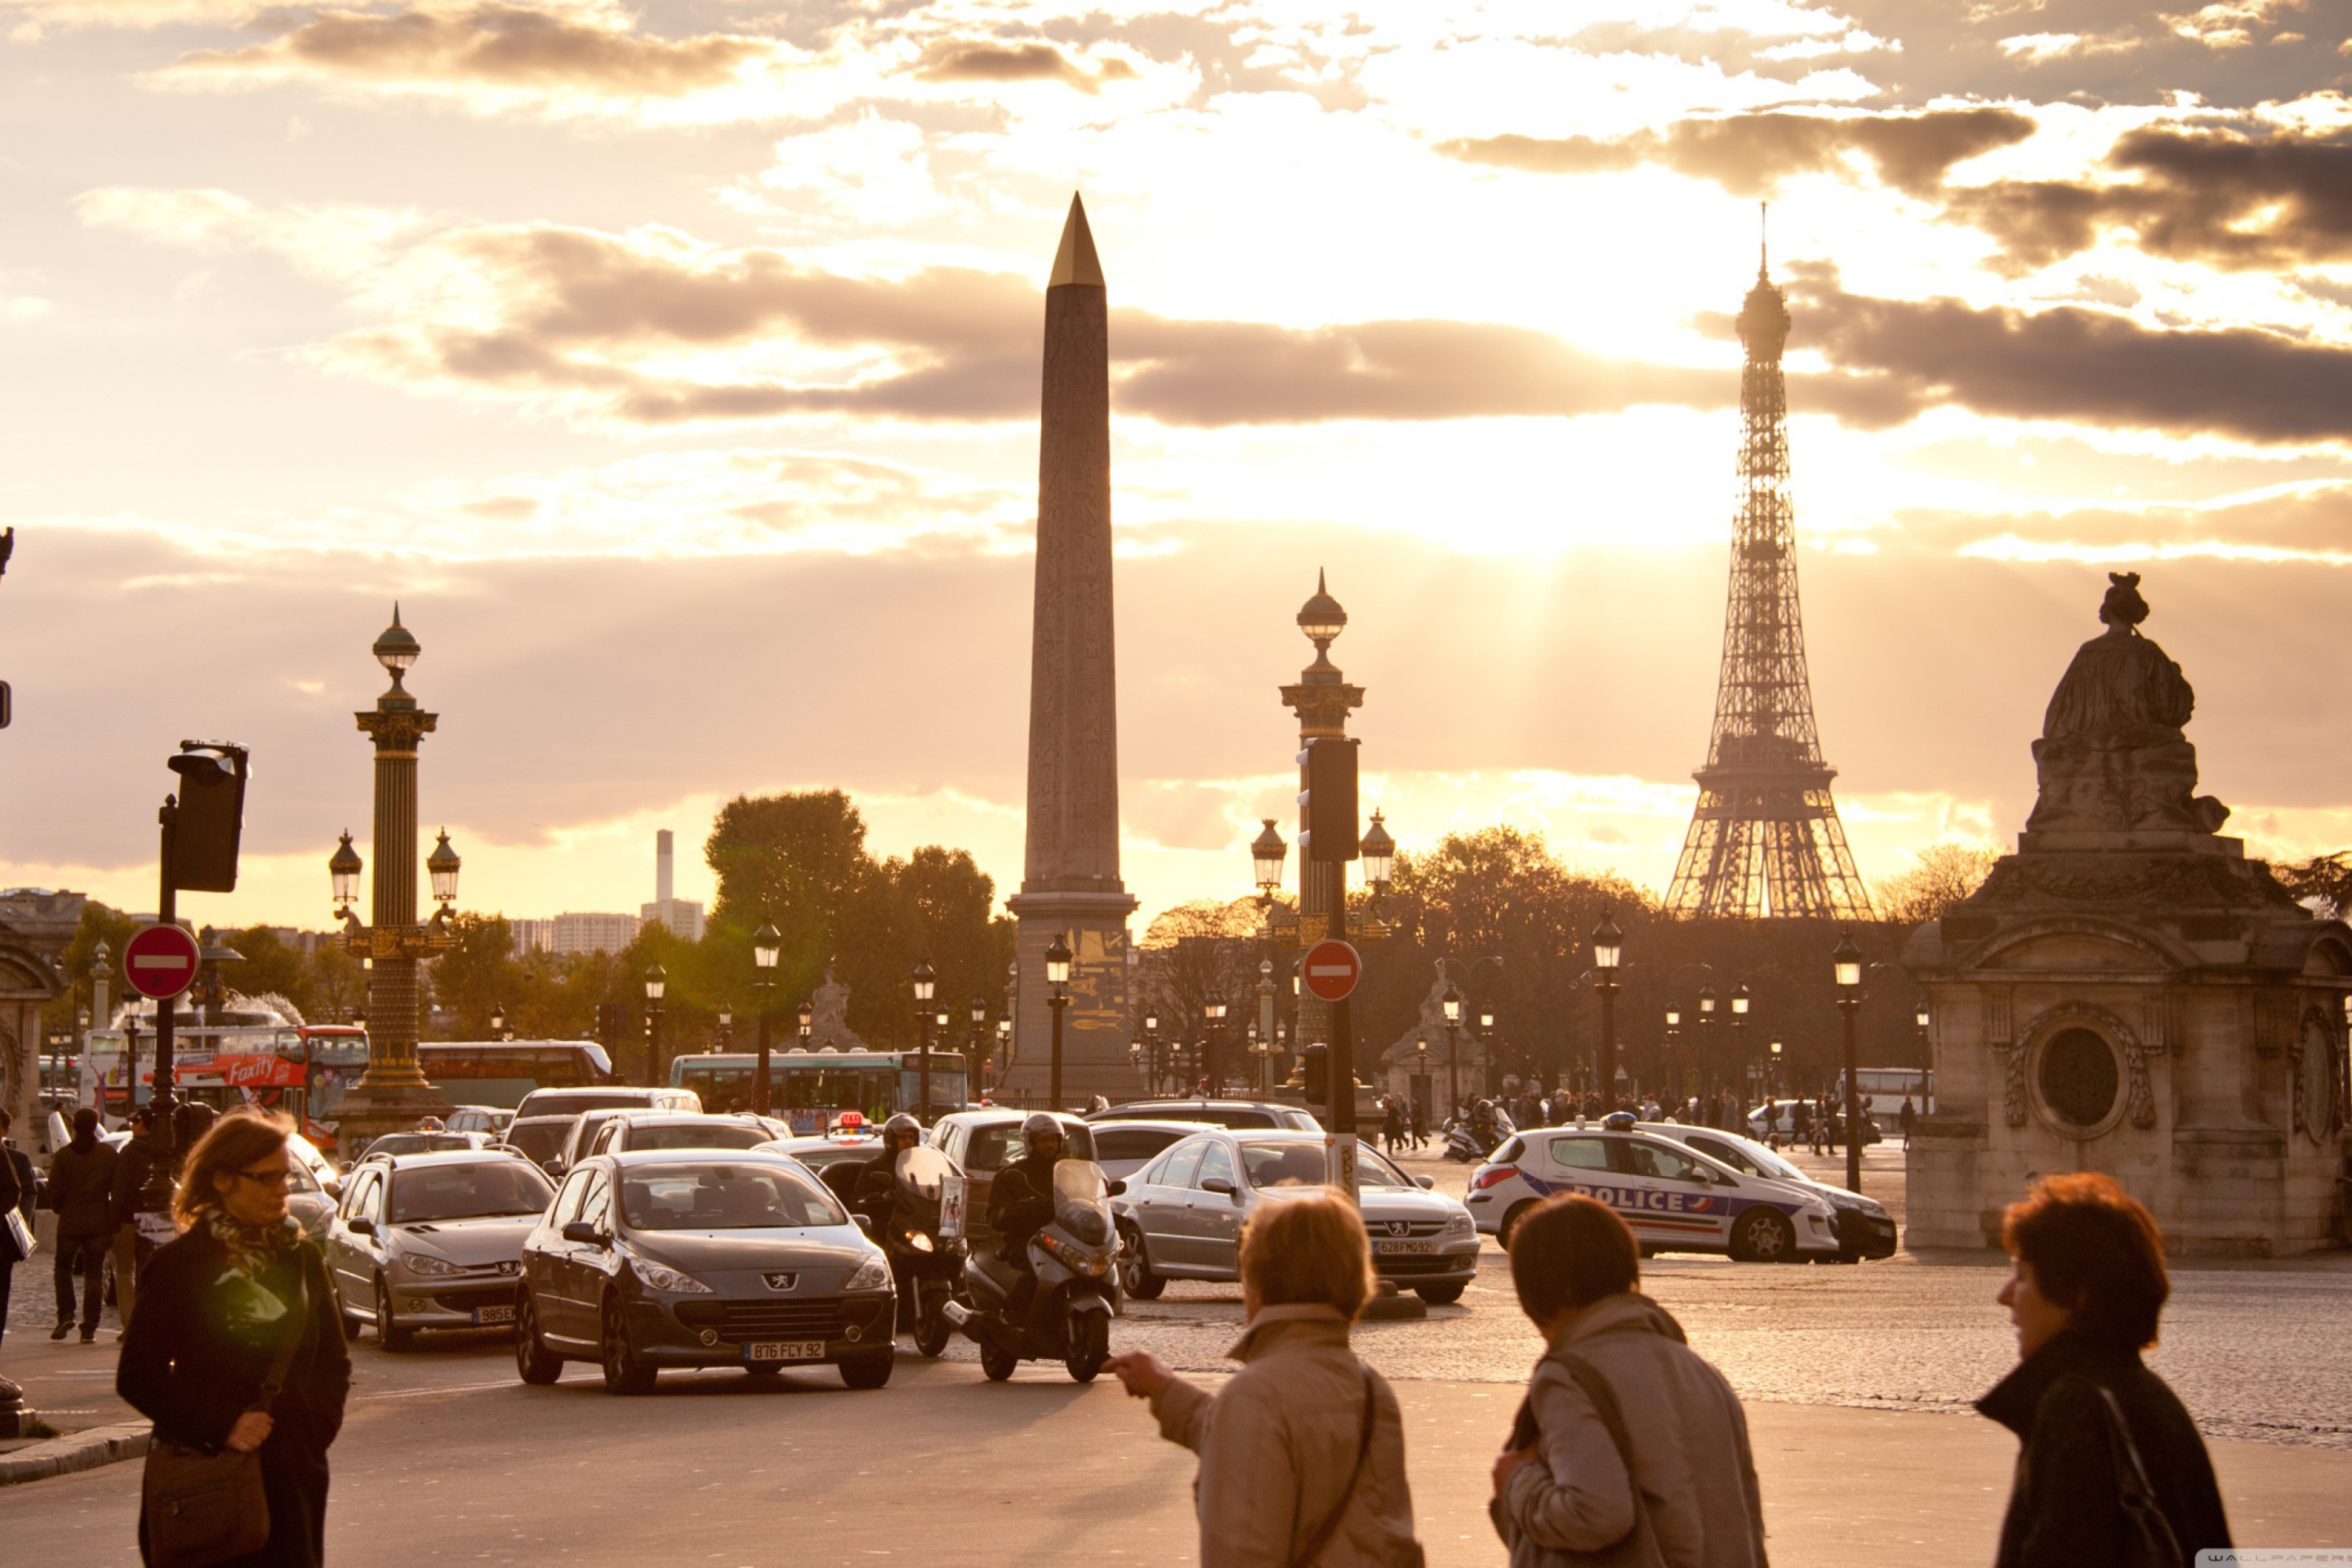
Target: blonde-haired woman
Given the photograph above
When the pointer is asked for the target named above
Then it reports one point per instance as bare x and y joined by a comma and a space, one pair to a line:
1302, 1454
216, 1304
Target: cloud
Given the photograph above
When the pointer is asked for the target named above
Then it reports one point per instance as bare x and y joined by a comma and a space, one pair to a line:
2223, 198
497, 46
1750, 154
2089, 367
959, 60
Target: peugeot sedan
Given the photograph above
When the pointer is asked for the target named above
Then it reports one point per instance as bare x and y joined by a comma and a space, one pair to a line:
1180, 1216
701, 1257
432, 1241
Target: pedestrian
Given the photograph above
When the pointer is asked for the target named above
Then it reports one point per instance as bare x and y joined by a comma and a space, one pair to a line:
1906, 1116
1393, 1124
81, 1192
1302, 1453
18, 1190
2110, 1463
1421, 1123
1626, 1435
142, 1199
221, 1299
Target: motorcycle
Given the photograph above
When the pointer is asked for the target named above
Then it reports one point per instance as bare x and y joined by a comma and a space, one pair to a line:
1068, 1319
924, 1244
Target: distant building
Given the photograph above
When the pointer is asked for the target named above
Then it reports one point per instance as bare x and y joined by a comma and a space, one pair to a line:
592, 933
682, 917
531, 936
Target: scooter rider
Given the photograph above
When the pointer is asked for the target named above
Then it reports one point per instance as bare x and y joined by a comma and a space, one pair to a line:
1020, 1204
877, 1185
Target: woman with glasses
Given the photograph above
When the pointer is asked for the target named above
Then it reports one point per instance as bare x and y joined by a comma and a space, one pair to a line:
216, 1304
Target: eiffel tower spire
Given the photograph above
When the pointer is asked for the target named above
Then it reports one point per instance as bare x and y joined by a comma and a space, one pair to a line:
1765, 840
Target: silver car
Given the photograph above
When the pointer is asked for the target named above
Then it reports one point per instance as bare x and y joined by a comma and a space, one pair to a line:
1181, 1216
433, 1241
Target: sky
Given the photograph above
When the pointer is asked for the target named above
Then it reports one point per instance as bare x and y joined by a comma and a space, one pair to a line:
676, 369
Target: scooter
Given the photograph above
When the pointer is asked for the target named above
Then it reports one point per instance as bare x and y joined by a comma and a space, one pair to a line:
1463, 1141
1068, 1319
925, 1243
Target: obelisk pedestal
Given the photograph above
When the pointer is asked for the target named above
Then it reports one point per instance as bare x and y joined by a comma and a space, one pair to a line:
1071, 884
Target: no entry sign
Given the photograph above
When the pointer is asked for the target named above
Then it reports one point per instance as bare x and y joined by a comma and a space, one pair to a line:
160, 961
1331, 969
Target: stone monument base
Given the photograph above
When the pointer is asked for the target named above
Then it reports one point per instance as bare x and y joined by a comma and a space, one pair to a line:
1095, 1026
370, 1111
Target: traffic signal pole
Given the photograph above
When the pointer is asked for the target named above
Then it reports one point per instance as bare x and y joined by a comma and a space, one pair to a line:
167, 911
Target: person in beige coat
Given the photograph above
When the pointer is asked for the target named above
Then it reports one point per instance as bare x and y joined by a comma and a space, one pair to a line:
1630, 1449
1302, 1454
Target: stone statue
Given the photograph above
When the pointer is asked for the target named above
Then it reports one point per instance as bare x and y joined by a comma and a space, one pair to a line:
2112, 757
829, 1017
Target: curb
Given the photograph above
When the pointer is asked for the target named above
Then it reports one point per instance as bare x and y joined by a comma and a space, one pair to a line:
75, 1451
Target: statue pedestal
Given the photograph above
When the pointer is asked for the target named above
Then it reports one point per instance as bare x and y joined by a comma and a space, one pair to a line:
1094, 1035
369, 1111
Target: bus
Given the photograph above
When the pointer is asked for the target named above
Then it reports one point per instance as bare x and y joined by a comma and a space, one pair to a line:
300, 1069
812, 1088
500, 1072
1883, 1089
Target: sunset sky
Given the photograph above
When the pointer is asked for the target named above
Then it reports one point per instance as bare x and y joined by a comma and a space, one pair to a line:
675, 367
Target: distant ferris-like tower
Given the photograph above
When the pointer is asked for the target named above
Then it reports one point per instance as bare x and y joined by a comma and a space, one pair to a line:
1764, 841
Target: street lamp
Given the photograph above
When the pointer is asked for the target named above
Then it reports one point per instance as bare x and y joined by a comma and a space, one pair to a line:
1739, 1000
1608, 952
498, 1020
1847, 963
1151, 1051
1264, 1028
1452, 1002
1674, 1043
343, 867
1706, 1056
1211, 1068
1923, 1016
767, 947
1057, 975
925, 983
1487, 1049
1378, 851
657, 982
976, 1050
1267, 854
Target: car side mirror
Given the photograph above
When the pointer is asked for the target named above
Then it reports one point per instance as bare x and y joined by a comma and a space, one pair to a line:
865, 1223
584, 1233
1424, 1181
1115, 1189
1219, 1184
360, 1225
333, 1189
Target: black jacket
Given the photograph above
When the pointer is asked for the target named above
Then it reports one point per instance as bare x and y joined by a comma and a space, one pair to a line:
2064, 1504
17, 1191
1020, 1204
142, 1179
193, 1361
81, 1189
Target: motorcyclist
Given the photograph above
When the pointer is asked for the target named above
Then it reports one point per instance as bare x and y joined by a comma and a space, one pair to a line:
1020, 1204
877, 1200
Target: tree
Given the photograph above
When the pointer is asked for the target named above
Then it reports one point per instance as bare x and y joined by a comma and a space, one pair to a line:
478, 976
1193, 954
1942, 876
2324, 879
271, 968
99, 923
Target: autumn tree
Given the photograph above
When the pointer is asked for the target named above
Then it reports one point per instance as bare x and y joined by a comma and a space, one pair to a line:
1941, 876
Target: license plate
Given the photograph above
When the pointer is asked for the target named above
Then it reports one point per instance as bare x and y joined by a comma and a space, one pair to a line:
786, 1350
1395, 1246
493, 1315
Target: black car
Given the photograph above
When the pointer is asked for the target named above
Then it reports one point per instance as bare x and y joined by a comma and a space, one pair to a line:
701, 1257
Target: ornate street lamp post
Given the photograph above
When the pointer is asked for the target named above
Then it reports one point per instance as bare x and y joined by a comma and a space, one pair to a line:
767, 947
925, 982
1266, 856
1214, 1013
657, 983
1487, 1049
1057, 975
1924, 1017
976, 1050
1705, 1053
1153, 1076
1739, 1000
1847, 960
1452, 1001
1608, 952
393, 1093
807, 1013
1265, 1025
1004, 1050
1672, 1069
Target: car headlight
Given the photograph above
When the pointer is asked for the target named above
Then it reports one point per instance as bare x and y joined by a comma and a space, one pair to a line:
426, 1268
871, 1275
665, 1278
1459, 1225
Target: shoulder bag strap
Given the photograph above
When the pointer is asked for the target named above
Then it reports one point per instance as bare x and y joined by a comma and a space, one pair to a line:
2134, 1491
1322, 1537
296, 1322
1604, 1405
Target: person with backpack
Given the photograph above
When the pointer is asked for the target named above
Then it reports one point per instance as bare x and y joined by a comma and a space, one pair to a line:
1628, 1443
81, 1192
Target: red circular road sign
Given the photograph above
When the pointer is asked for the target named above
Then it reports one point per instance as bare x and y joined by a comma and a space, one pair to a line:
1331, 969
160, 961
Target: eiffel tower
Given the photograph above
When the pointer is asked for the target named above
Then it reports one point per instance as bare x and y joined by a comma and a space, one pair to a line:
1764, 841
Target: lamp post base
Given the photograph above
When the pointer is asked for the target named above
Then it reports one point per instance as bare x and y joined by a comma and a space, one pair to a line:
371, 1111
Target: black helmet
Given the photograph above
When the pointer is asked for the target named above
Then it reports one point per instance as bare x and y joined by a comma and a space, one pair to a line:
902, 1122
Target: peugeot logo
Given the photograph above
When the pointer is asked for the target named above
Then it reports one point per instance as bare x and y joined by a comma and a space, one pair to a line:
781, 1282
1399, 1227
509, 1267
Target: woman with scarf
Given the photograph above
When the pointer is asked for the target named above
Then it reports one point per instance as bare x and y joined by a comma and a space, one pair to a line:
218, 1301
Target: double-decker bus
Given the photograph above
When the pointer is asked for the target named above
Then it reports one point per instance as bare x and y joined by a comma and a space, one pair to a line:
252, 1059
812, 1088
500, 1072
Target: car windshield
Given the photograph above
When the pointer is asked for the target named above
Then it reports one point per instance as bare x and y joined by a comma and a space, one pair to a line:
725, 1197
540, 1140
1276, 1163
480, 1191
1754, 1158
993, 1148
695, 1135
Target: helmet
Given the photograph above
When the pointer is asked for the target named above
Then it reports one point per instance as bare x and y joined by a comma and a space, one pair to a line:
1040, 1124
902, 1122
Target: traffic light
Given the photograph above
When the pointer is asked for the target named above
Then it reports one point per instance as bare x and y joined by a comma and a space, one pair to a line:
1315, 1067
1326, 799
211, 815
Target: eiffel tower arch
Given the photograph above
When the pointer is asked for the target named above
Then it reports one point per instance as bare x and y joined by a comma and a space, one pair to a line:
1764, 841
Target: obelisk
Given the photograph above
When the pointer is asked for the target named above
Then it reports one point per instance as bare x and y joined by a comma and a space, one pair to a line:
1070, 886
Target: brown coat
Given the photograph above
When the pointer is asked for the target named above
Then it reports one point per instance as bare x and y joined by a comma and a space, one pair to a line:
1278, 1444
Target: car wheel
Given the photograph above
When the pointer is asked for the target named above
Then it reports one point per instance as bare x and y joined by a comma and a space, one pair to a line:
999, 1364
1763, 1236
1135, 1274
533, 1361
1511, 1218
388, 1332
868, 1371
1440, 1295
1089, 1346
623, 1372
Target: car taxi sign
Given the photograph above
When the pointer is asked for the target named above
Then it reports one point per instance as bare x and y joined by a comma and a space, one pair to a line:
160, 961
1331, 970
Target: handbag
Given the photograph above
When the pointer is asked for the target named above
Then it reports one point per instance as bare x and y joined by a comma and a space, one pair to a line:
19, 1238
2152, 1542
1330, 1527
1638, 1548
205, 1505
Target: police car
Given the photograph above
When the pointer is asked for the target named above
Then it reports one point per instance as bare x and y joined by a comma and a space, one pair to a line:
1673, 1198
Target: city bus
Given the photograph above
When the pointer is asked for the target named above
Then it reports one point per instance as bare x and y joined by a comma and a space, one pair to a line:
812, 1088
500, 1072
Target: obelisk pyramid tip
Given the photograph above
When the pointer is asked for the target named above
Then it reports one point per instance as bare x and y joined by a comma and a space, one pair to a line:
1076, 262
